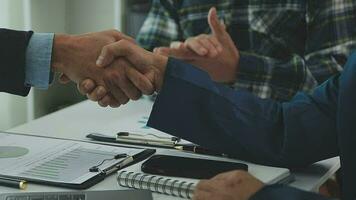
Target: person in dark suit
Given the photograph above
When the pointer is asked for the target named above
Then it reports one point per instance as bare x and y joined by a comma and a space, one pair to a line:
29, 59
190, 105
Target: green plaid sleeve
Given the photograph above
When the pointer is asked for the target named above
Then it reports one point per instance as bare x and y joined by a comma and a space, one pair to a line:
331, 37
159, 29
271, 78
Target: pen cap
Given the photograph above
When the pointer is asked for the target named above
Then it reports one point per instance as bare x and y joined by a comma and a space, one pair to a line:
23, 185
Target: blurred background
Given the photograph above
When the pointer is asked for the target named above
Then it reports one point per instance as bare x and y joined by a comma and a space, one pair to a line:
61, 16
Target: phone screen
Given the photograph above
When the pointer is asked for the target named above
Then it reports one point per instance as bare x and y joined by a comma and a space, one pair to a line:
188, 167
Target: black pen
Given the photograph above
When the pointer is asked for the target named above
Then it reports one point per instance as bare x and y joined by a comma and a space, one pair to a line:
199, 150
12, 182
130, 160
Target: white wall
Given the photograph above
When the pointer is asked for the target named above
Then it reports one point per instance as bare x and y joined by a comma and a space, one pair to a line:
89, 15
4, 13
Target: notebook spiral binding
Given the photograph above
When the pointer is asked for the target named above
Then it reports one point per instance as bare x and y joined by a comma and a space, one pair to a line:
159, 184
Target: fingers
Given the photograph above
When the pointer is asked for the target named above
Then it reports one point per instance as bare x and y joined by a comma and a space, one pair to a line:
117, 93
109, 100
130, 90
113, 50
164, 51
208, 45
204, 45
176, 45
91, 90
97, 94
122, 80
216, 44
140, 81
217, 28
121, 87
63, 79
196, 45
86, 86
119, 36
181, 53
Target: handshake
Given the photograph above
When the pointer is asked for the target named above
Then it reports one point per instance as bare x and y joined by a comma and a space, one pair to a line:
108, 66
111, 69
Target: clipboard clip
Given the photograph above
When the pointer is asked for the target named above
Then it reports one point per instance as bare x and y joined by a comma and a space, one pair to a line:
127, 160
96, 167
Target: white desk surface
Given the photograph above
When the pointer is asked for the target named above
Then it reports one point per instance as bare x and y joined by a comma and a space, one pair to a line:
86, 117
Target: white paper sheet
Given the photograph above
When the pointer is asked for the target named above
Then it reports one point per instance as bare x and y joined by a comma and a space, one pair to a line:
56, 160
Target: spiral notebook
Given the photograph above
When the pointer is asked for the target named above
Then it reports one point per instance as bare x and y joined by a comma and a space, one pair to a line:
133, 177
178, 187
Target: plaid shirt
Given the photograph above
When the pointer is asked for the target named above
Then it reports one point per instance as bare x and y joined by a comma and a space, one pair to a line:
285, 45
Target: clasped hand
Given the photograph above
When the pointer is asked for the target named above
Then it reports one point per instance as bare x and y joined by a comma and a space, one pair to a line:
130, 71
123, 70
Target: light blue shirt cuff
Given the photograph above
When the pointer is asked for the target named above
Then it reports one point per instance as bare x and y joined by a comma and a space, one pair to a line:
38, 60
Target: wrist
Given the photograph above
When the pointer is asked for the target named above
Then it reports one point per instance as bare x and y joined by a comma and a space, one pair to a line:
160, 63
62, 43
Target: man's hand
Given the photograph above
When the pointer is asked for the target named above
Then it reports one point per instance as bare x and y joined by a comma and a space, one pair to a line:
75, 57
220, 63
125, 61
215, 53
235, 185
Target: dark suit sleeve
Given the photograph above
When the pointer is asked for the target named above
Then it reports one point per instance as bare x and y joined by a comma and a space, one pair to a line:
13, 46
303, 131
282, 192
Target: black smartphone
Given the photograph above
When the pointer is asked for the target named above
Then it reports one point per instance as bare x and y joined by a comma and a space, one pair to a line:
188, 167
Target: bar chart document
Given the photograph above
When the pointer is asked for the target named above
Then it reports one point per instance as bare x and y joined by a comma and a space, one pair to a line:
55, 160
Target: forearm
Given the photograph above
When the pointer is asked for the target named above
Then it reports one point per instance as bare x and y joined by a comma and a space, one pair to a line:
64, 47
47, 53
76, 55
13, 54
238, 123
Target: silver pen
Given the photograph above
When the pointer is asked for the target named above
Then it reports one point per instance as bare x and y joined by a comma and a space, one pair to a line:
126, 138
142, 139
126, 161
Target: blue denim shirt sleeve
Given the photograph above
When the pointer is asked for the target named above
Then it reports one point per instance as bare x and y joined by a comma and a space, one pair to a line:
38, 60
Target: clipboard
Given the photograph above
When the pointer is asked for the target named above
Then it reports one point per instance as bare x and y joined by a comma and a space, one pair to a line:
63, 162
